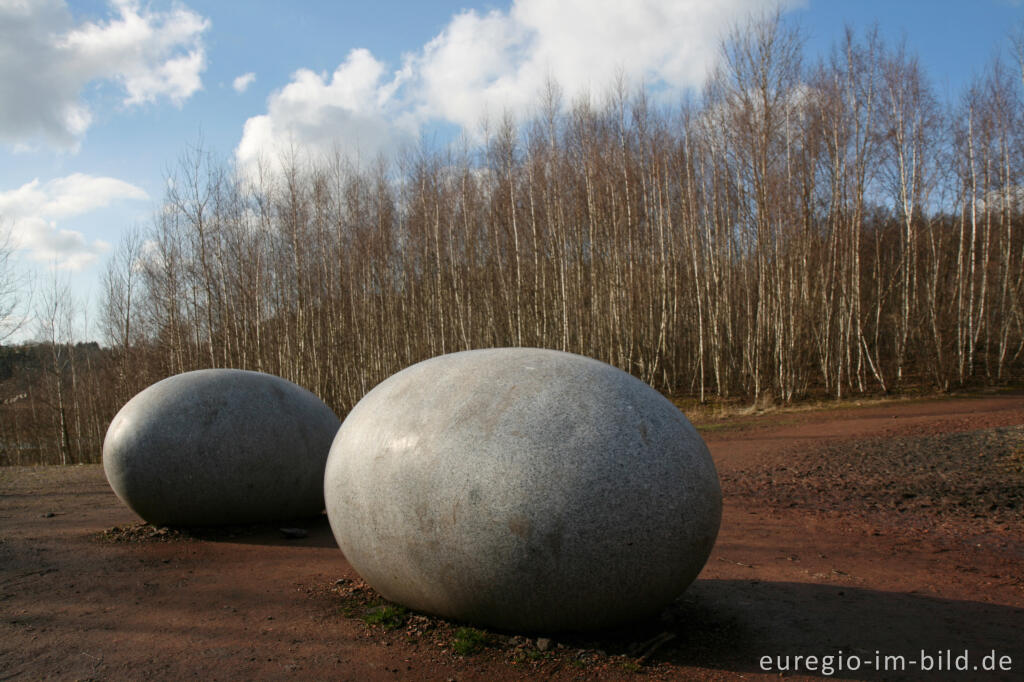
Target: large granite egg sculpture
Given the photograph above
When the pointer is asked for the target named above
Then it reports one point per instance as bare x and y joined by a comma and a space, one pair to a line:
220, 446
522, 489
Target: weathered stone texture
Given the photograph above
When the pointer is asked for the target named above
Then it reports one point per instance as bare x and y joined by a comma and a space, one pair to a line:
220, 446
525, 489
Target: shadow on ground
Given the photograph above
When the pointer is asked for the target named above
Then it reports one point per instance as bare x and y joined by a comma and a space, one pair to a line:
309, 532
730, 625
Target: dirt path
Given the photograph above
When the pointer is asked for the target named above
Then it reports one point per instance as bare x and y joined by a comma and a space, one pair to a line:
820, 552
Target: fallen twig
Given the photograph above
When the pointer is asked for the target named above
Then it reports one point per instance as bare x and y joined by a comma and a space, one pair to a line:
652, 645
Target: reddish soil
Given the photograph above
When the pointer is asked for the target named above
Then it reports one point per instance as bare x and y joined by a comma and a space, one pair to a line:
873, 531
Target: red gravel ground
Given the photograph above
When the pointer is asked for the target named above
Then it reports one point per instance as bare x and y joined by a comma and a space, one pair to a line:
860, 533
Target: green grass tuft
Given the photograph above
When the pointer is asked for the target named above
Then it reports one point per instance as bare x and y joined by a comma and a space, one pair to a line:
469, 641
387, 616
630, 666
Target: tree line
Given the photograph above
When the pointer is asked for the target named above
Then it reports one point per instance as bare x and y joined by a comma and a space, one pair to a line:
796, 228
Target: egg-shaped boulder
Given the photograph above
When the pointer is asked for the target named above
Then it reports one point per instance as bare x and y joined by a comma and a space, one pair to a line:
220, 446
522, 489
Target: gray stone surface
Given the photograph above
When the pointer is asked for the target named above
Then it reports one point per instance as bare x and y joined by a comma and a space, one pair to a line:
220, 446
524, 489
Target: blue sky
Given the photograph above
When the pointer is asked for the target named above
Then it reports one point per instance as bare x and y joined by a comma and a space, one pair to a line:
98, 99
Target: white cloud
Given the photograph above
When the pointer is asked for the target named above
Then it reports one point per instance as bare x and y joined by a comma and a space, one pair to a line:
46, 62
34, 209
502, 60
486, 63
353, 109
242, 83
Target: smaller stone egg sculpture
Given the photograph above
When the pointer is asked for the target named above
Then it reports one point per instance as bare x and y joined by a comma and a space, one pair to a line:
220, 446
522, 489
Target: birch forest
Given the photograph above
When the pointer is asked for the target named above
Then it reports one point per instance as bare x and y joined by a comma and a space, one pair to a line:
796, 229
